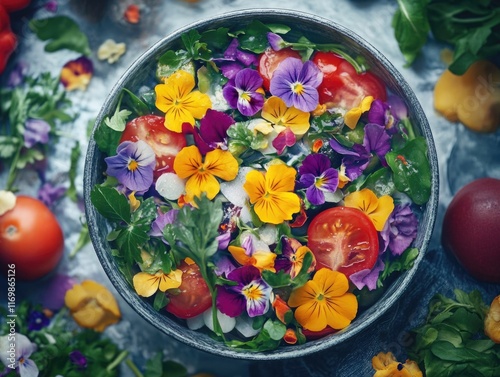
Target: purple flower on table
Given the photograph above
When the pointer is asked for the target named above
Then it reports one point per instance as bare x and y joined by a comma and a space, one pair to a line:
36, 131
242, 92
316, 173
401, 228
161, 221
355, 159
296, 83
276, 41
212, 133
377, 140
37, 320
235, 60
16, 76
50, 194
251, 294
78, 359
368, 277
51, 6
133, 165
24, 348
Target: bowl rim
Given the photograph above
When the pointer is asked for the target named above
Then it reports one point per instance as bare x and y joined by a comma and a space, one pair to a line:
168, 326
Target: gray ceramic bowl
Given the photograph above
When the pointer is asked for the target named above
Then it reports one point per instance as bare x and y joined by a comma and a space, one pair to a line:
317, 29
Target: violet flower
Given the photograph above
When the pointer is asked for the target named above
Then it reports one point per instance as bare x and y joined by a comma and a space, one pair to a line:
212, 133
133, 165
296, 83
241, 93
36, 131
317, 174
235, 60
401, 228
377, 141
251, 294
50, 194
37, 320
78, 359
53, 295
24, 348
276, 41
355, 159
161, 221
398, 107
368, 277
223, 265
292, 256
16, 76
388, 114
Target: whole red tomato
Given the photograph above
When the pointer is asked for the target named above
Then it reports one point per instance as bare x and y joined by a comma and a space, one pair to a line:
30, 238
342, 86
471, 228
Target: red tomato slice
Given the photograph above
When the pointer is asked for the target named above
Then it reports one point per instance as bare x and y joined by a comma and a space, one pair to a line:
269, 61
165, 143
194, 297
343, 239
342, 85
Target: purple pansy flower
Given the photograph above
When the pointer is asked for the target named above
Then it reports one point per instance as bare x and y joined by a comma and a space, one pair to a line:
317, 174
296, 83
276, 41
77, 358
355, 159
223, 265
50, 194
398, 107
368, 277
161, 221
133, 165
241, 93
388, 114
235, 60
251, 294
212, 133
401, 228
53, 295
23, 350
377, 140
36, 131
17, 75
37, 320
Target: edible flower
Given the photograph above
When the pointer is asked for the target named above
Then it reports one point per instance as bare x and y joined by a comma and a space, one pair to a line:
377, 209
7, 201
235, 60
161, 221
78, 359
492, 321
386, 365
282, 310
368, 277
23, 350
146, 284
212, 132
276, 41
37, 320
111, 51
290, 336
292, 257
377, 141
272, 193
133, 165
352, 116
36, 131
50, 194
354, 160
248, 255
132, 14
317, 175
92, 305
296, 83
324, 301
76, 74
201, 174
250, 294
380, 113
179, 102
244, 92
401, 228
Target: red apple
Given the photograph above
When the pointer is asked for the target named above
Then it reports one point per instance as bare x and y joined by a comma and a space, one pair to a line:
471, 228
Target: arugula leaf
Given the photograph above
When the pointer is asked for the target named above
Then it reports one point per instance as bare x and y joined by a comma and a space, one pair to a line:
63, 32
411, 27
107, 139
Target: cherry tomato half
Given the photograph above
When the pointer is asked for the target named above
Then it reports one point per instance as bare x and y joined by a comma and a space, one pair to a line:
165, 143
342, 85
269, 61
194, 297
343, 239
30, 238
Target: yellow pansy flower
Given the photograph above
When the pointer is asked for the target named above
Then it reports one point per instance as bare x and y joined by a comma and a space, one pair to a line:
272, 193
201, 175
377, 209
179, 102
351, 118
146, 284
324, 301
281, 116
386, 365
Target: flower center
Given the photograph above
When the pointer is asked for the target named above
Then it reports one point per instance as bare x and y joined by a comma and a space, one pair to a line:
252, 291
245, 96
298, 88
133, 165
320, 297
319, 182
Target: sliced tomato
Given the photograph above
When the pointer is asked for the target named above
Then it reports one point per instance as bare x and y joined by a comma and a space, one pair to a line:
165, 143
269, 61
343, 239
342, 86
194, 297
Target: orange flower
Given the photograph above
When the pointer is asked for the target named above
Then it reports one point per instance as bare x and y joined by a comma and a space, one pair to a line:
281, 309
377, 209
290, 336
351, 118
76, 74
263, 260
146, 284
386, 365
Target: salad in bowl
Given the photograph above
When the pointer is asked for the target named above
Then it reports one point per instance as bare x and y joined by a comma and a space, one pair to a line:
259, 187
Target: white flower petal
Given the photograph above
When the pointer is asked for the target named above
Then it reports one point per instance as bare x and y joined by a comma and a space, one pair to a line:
196, 323
244, 326
28, 368
170, 186
226, 323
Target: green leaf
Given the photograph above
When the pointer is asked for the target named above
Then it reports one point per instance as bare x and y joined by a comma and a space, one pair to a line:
241, 138
411, 169
171, 61
130, 241
107, 139
154, 366
118, 121
278, 279
196, 50
135, 103
8, 146
448, 352
75, 156
254, 37
405, 262
160, 300
275, 329
216, 39
63, 32
110, 203
411, 27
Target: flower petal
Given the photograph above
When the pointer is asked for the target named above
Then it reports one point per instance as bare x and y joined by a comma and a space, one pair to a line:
202, 182
229, 301
187, 162
146, 284
171, 280
222, 164
255, 185
280, 178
